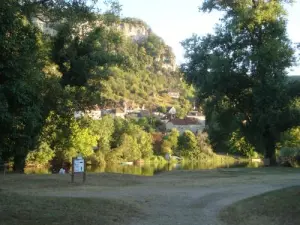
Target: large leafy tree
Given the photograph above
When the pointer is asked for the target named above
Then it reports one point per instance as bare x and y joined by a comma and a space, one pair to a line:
22, 76
240, 72
20, 82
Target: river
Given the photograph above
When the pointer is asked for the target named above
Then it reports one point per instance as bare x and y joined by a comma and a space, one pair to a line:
146, 169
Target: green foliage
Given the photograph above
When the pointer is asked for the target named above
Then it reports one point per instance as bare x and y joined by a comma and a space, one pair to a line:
290, 156
289, 152
149, 124
81, 141
291, 138
129, 148
21, 80
204, 145
104, 130
289, 146
239, 145
166, 147
68, 137
187, 144
40, 156
102, 141
170, 142
162, 109
183, 108
45, 79
240, 74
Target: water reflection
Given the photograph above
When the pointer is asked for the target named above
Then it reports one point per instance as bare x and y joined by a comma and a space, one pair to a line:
148, 169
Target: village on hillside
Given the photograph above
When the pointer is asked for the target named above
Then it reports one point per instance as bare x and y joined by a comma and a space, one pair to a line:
194, 121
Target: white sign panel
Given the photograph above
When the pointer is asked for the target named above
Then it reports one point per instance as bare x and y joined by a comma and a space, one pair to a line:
78, 165
167, 157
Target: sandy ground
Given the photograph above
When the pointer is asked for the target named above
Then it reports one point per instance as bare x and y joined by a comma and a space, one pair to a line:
182, 197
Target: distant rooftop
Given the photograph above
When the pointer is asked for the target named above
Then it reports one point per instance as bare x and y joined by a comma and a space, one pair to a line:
185, 121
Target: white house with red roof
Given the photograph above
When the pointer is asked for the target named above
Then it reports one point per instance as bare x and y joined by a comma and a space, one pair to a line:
182, 125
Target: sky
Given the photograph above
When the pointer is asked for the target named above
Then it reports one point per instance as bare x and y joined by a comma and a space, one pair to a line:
176, 20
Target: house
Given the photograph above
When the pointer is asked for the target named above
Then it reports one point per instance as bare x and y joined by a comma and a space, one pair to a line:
78, 114
159, 115
144, 113
131, 107
182, 125
119, 112
94, 112
164, 119
132, 116
174, 94
171, 112
197, 115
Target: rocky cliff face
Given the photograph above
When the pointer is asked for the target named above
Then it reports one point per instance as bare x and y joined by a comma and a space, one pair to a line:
135, 29
44, 26
135, 32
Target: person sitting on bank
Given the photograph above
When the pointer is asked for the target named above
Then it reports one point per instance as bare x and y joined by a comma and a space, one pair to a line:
62, 171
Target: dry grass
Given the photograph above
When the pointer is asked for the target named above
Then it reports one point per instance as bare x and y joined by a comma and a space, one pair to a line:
281, 207
15, 182
31, 210
22, 200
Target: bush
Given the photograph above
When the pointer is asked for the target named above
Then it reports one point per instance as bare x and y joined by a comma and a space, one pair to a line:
40, 156
290, 156
204, 144
98, 158
157, 159
239, 145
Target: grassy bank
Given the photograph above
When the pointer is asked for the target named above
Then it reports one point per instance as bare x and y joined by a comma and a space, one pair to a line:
33, 200
31, 210
281, 207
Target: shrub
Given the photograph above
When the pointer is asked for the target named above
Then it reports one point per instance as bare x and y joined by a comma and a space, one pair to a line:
289, 155
40, 156
239, 145
98, 158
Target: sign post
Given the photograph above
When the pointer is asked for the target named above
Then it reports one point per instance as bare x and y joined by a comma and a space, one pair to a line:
78, 167
168, 158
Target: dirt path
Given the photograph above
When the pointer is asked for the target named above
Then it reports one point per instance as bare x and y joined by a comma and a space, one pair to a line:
188, 197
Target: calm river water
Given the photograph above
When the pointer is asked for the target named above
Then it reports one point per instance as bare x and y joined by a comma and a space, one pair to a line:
147, 169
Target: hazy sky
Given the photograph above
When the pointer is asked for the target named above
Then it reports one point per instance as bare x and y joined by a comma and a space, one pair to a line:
176, 20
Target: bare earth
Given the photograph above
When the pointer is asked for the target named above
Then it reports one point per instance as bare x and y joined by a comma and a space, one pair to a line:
179, 197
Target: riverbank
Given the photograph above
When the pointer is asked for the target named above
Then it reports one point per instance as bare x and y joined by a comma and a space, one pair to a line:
176, 197
156, 165
280, 206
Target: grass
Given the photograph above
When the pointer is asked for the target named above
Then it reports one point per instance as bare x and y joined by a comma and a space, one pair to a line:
33, 200
31, 210
280, 207
18, 182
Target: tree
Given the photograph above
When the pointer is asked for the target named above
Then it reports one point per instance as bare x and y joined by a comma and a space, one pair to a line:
187, 144
239, 145
166, 147
104, 130
142, 138
145, 144
291, 138
130, 148
204, 144
241, 69
20, 82
170, 142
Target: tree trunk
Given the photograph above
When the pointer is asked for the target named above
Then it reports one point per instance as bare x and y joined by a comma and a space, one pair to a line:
270, 151
19, 163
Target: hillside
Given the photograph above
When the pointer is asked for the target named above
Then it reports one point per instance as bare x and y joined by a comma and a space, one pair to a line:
294, 78
128, 62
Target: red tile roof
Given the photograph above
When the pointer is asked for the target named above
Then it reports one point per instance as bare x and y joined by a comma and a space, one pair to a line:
185, 121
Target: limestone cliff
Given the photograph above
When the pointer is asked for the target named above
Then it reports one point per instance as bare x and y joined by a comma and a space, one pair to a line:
135, 29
